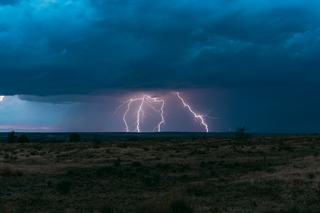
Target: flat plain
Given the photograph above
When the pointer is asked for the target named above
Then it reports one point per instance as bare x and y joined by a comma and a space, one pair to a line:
262, 174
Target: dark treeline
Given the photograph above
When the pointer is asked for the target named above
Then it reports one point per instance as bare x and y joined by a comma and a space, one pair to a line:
13, 137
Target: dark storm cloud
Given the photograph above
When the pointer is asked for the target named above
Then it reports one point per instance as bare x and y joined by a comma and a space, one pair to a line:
8, 2
82, 47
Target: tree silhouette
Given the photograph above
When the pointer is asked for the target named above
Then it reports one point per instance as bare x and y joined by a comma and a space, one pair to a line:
74, 137
12, 138
23, 139
241, 134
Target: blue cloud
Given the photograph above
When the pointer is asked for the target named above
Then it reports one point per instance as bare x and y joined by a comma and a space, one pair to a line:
89, 46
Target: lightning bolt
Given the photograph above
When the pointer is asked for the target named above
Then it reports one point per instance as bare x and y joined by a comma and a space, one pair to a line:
140, 110
196, 115
126, 113
145, 100
162, 122
154, 103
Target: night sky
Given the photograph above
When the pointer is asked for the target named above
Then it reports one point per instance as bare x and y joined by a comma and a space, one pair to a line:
66, 65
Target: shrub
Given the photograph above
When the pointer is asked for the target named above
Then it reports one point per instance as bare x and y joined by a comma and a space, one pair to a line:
8, 172
173, 205
133, 138
180, 206
241, 135
152, 180
96, 139
117, 162
74, 137
107, 209
12, 138
23, 139
282, 146
136, 164
152, 207
64, 187
311, 175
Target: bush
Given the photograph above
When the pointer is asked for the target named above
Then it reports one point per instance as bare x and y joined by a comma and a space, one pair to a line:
64, 187
8, 172
172, 205
74, 137
152, 180
107, 209
12, 138
241, 135
180, 206
23, 139
133, 138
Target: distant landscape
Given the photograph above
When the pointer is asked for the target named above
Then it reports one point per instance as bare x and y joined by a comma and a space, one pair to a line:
146, 173
159, 106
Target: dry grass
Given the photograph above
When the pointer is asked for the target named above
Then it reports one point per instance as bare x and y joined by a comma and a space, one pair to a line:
267, 174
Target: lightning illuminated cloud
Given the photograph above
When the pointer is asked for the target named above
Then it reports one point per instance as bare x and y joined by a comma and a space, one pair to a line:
148, 101
1, 98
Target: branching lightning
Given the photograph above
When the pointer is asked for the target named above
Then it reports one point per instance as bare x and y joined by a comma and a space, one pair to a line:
157, 104
196, 115
145, 100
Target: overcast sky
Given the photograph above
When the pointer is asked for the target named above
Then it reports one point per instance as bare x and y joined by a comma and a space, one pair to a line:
240, 62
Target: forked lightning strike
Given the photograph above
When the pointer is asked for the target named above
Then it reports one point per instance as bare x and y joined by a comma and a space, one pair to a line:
148, 101
196, 115
145, 99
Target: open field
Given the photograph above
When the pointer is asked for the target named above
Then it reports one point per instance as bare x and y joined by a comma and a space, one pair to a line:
263, 174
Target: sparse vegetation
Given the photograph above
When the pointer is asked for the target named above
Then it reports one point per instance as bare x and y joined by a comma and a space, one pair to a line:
23, 139
12, 138
64, 186
266, 175
9, 172
74, 137
241, 135
241, 138
180, 206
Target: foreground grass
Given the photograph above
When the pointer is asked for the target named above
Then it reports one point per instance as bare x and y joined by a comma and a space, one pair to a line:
267, 174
